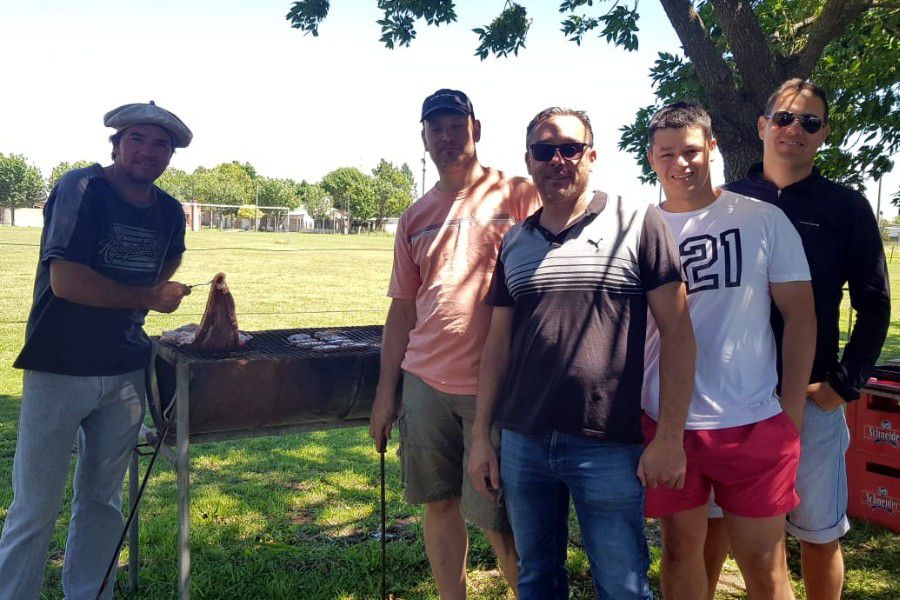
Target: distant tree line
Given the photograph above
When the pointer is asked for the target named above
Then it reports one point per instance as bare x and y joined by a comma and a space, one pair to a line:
386, 192
21, 184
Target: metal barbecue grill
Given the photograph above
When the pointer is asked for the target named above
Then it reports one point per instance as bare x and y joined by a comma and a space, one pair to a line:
268, 387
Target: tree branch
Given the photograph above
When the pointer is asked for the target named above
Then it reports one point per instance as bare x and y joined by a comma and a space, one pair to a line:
733, 114
836, 16
712, 70
758, 65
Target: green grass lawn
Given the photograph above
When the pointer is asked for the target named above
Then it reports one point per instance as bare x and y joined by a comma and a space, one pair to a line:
294, 516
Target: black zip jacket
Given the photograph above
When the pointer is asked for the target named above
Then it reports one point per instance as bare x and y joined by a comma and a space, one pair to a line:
843, 246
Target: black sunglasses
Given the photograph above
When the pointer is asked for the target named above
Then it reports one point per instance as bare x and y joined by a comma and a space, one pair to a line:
810, 123
546, 152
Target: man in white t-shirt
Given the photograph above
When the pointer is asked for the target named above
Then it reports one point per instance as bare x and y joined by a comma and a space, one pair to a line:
741, 439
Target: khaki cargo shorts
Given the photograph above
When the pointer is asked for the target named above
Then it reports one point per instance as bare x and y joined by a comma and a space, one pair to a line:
435, 434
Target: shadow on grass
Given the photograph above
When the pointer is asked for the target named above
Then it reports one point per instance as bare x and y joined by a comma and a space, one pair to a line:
871, 560
300, 514
296, 517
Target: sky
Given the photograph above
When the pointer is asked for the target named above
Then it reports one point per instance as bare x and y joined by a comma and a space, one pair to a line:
253, 89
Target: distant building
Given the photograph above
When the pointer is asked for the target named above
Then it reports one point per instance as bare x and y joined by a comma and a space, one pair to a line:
893, 233
25, 217
298, 219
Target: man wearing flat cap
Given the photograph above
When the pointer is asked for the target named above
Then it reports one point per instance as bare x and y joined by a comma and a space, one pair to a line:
444, 254
111, 242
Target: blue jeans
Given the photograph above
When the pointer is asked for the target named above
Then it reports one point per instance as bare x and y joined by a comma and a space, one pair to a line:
539, 473
105, 415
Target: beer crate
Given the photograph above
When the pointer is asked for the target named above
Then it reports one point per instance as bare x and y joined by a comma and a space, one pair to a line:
873, 482
874, 422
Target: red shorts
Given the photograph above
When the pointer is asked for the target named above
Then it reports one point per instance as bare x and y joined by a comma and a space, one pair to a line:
752, 469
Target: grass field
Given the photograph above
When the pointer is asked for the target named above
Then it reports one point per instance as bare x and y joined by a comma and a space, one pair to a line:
294, 516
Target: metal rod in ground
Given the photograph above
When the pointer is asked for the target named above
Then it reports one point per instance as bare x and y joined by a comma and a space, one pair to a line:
381, 452
131, 513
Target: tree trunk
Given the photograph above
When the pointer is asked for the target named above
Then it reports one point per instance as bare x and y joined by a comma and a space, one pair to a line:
12, 216
735, 103
739, 143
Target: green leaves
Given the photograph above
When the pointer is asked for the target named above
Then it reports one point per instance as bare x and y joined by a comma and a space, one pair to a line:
395, 189
859, 69
306, 15
634, 141
351, 190
387, 193
316, 201
506, 33
21, 184
675, 79
227, 183
64, 167
621, 27
576, 26
398, 24
276, 192
619, 24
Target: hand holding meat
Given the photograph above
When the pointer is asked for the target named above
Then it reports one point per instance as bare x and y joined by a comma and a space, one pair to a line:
166, 297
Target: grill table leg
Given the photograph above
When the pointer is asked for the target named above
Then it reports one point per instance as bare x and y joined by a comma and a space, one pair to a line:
135, 529
182, 468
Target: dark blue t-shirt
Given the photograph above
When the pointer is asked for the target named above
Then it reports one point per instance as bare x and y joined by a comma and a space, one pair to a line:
88, 222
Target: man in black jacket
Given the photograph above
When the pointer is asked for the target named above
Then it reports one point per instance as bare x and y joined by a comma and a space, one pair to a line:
842, 244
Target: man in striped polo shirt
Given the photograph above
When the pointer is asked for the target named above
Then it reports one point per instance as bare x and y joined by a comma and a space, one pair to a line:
561, 370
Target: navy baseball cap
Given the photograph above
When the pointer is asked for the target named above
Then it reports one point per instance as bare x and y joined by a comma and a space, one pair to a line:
447, 100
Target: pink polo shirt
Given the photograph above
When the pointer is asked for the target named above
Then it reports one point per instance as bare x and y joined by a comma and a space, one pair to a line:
444, 255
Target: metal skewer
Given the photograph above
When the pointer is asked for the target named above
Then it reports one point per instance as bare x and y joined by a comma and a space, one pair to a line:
199, 284
381, 452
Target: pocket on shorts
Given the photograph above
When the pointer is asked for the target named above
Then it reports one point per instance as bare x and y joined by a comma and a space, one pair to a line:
819, 409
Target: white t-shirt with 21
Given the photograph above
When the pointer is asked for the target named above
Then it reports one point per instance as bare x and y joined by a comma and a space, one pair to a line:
731, 251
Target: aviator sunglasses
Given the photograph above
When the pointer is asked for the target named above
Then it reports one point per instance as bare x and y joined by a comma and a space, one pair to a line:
810, 123
546, 152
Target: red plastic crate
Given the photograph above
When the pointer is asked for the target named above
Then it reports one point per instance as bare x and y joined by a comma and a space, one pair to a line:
850, 414
874, 423
874, 488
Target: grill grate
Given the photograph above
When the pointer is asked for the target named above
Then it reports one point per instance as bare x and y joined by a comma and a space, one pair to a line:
273, 344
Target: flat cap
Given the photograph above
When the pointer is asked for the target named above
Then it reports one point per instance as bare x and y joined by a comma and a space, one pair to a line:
445, 99
132, 114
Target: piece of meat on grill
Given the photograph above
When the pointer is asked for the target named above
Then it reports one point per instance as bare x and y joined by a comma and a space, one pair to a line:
219, 328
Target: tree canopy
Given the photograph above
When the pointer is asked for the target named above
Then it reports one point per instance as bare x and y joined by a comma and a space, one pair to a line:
227, 183
385, 193
395, 189
21, 184
735, 55
62, 168
179, 184
315, 199
352, 191
277, 192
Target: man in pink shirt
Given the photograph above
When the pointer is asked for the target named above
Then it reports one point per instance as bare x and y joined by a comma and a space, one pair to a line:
444, 256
